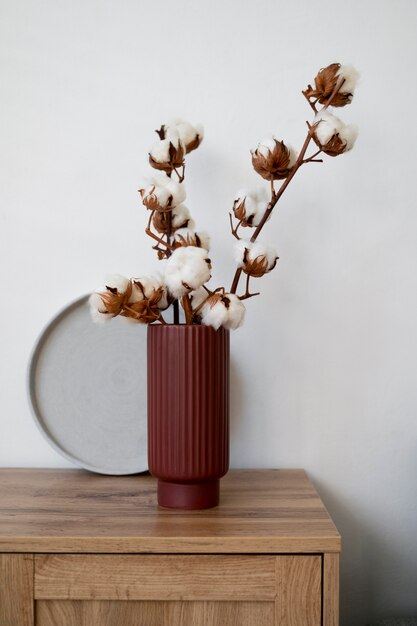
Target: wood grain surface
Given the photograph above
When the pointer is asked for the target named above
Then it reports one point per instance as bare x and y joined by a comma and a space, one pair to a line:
298, 590
261, 511
155, 577
331, 590
16, 590
114, 613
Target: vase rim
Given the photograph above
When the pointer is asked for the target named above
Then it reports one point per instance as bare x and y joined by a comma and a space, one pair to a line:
189, 327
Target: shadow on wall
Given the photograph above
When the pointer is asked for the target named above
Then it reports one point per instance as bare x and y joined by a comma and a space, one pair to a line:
366, 561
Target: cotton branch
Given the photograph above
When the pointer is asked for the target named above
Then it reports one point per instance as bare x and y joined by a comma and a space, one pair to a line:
247, 294
234, 229
275, 196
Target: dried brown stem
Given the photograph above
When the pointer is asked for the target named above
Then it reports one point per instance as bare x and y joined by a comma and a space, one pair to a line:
187, 309
312, 158
180, 176
158, 239
149, 232
312, 104
234, 229
278, 194
175, 306
247, 294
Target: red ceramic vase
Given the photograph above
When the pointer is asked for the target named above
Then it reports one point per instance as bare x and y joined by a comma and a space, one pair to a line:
188, 413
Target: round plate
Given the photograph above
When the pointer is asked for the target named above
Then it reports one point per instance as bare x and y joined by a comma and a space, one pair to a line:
87, 387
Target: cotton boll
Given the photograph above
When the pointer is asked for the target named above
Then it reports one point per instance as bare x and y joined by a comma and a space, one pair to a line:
144, 288
175, 189
351, 76
160, 151
187, 132
198, 297
138, 294
349, 135
189, 135
187, 269
293, 157
266, 146
239, 250
250, 200
261, 206
181, 217
172, 136
255, 258
326, 81
273, 159
259, 249
182, 129
117, 281
155, 196
262, 201
250, 206
235, 313
161, 192
167, 154
98, 309
189, 237
327, 126
223, 310
183, 233
204, 240
191, 224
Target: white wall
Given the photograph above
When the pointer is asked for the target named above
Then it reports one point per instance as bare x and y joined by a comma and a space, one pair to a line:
325, 367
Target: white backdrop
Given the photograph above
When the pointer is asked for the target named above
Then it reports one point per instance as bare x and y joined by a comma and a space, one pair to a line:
325, 367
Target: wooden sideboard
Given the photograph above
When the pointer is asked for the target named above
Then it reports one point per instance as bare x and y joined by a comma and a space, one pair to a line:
78, 549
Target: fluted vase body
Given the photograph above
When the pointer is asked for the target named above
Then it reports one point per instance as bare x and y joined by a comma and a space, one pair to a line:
188, 413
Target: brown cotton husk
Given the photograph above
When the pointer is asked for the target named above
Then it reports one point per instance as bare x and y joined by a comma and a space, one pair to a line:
189, 147
145, 311
275, 165
191, 239
193, 145
333, 147
161, 132
176, 155
176, 159
160, 222
151, 202
257, 267
325, 82
113, 301
239, 210
163, 166
218, 297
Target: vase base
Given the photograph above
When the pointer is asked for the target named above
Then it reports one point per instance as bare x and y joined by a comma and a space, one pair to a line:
188, 495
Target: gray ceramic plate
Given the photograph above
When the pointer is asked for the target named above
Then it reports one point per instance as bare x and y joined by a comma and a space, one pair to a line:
87, 388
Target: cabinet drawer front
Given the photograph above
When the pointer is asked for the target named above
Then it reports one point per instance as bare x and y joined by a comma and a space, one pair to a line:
155, 577
153, 613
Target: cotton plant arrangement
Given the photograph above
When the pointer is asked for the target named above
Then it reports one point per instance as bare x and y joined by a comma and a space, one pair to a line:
184, 251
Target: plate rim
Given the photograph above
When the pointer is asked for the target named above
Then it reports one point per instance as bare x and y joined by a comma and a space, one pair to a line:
31, 392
